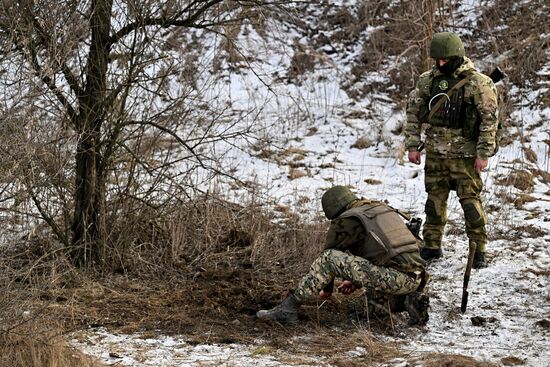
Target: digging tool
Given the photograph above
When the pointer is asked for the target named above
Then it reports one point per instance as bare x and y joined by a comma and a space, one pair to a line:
471, 253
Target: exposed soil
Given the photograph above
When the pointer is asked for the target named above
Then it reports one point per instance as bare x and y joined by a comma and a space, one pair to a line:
217, 304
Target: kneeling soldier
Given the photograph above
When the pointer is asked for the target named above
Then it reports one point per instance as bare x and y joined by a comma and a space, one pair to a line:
368, 246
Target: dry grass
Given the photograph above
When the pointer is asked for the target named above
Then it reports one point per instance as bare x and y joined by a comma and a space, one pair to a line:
362, 143
372, 181
452, 360
520, 179
544, 176
522, 199
32, 346
513, 361
188, 280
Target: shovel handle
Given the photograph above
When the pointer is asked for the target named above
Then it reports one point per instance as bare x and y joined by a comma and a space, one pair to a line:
471, 252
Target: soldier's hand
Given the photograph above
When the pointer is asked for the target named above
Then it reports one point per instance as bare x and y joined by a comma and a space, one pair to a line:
414, 156
347, 287
324, 294
480, 164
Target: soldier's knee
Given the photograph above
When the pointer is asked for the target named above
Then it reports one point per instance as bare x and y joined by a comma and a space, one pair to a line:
331, 253
329, 256
473, 213
433, 216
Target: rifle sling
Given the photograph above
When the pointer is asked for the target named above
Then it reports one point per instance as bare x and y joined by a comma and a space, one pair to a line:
451, 91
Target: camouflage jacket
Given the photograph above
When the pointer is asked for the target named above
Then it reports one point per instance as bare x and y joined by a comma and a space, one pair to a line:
348, 234
446, 142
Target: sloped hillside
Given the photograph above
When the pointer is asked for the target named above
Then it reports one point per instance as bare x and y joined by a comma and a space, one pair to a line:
329, 82
320, 92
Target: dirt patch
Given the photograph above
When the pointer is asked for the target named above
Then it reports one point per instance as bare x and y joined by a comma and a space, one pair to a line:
452, 360
215, 302
512, 361
530, 231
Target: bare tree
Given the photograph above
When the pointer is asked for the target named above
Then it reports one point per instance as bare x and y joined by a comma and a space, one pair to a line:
114, 87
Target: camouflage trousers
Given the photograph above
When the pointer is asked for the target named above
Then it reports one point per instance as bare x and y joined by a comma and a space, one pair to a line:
377, 280
441, 176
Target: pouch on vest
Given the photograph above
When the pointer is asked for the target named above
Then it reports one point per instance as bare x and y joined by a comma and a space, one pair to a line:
445, 102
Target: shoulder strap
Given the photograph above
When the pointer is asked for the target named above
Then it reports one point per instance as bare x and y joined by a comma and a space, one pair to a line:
456, 87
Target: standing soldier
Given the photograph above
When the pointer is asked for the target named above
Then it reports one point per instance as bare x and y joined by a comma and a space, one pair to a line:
459, 105
368, 246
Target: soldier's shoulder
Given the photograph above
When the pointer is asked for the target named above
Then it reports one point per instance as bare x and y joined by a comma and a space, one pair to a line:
482, 84
425, 79
480, 78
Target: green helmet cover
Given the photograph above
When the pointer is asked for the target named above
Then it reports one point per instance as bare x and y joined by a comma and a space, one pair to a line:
335, 200
445, 45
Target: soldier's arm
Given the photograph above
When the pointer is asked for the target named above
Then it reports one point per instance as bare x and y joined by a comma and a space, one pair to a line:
337, 237
486, 102
344, 234
417, 98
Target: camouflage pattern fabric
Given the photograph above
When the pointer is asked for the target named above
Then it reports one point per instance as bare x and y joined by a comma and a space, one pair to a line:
447, 142
348, 234
338, 264
443, 175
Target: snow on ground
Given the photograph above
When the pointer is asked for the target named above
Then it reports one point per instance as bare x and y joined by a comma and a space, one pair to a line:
509, 300
139, 350
308, 132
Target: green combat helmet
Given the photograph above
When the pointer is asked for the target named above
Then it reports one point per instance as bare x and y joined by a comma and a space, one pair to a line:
335, 200
445, 45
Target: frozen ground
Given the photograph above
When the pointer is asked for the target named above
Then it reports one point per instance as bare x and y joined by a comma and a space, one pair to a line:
308, 133
137, 350
509, 300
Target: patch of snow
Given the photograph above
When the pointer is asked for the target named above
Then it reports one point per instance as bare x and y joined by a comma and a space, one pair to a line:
166, 351
314, 126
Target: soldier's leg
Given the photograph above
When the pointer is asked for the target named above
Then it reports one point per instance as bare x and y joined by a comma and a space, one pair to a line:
437, 186
469, 186
335, 263
375, 279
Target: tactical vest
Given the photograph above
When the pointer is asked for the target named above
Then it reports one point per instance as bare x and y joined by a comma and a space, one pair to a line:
387, 235
456, 112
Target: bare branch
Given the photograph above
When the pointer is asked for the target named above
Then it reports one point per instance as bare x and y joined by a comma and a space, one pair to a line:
167, 21
48, 81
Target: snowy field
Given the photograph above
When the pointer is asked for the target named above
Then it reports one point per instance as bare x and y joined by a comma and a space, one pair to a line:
309, 132
509, 300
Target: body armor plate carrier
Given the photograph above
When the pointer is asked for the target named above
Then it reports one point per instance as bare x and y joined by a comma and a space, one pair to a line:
450, 113
387, 235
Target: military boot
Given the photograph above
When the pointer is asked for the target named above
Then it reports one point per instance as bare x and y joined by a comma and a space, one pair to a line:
417, 304
479, 260
286, 312
430, 253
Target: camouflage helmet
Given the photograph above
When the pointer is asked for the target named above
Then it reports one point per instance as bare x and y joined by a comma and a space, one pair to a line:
335, 200
445, 45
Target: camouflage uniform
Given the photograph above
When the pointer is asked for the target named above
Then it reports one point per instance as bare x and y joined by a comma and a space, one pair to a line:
401, 275
452, 149
369, 245
377, 280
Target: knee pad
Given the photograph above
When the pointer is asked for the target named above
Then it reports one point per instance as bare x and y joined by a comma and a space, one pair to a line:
473, 215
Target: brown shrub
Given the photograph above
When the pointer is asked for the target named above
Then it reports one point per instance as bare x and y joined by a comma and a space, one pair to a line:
33, 347
203, 228
521, 180
522, 199
362, 143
